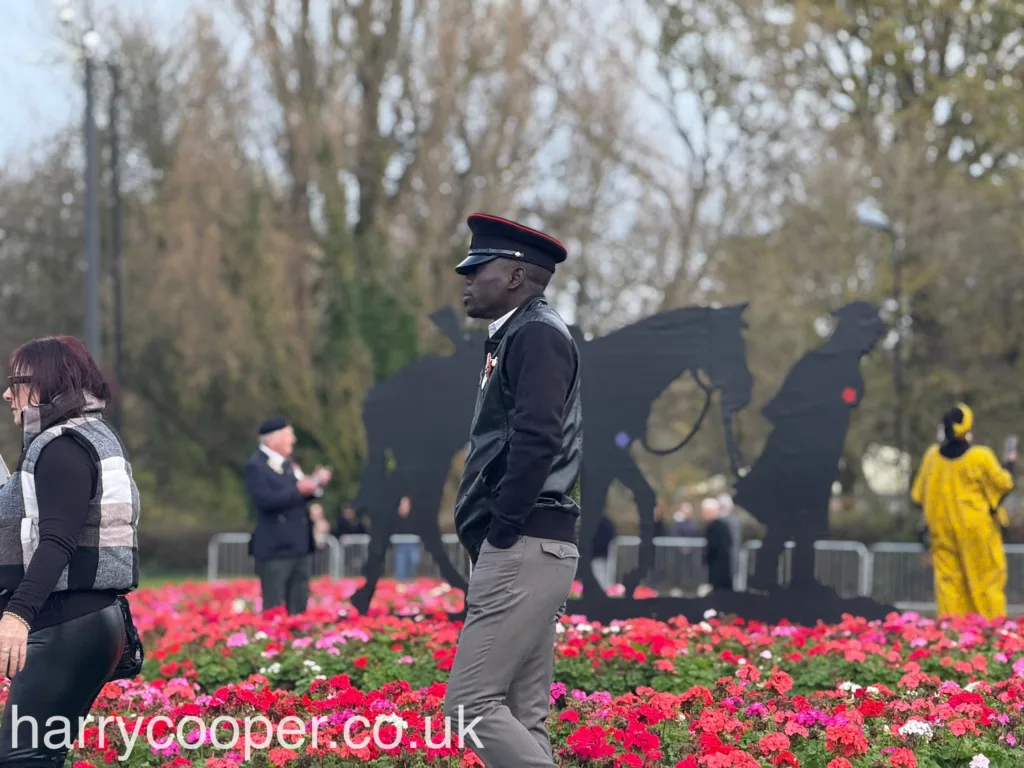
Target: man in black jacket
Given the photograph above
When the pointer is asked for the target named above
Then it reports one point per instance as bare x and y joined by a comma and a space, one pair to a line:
284, 539
514, 512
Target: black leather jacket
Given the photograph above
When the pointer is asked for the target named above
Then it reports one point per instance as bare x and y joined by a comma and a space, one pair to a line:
555, 512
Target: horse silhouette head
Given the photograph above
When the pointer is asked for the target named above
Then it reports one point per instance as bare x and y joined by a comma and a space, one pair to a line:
628, 369
726, 358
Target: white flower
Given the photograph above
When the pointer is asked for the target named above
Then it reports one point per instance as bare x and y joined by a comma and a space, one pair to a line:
311, 664
321, 677
916, 728
395, 720
979, 761
872, 689
584, 628
742, 662
682, 717
559, 628
260, 636
766, 654
849, 687
705, 626
710, 613
971, 688
238, 605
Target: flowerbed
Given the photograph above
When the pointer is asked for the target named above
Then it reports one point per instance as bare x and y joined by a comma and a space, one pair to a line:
902, 693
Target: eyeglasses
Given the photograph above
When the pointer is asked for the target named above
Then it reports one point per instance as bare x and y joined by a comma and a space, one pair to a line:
13, 381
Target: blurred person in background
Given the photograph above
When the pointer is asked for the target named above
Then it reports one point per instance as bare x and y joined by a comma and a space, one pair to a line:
68, 550
603, 537
960, 488
349, 523
287, 528
407, 554
732, 519
718, 554
684, 523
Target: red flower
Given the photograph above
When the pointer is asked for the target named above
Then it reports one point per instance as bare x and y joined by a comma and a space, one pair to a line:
786, 758
847, 739
590, 742
359, 663
871, 708
780, 682
773, 742
849, 395
839, 762
903, 758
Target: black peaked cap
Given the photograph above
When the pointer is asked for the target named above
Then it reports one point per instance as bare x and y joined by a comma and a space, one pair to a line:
496, 238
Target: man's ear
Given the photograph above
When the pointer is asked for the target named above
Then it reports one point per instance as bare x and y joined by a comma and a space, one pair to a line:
516, 276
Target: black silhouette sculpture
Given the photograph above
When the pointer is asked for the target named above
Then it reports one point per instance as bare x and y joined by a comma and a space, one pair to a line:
624, 373
419, 419
415, 423
789, 488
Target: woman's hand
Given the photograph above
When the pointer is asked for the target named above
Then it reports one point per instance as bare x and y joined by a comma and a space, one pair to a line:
13, 644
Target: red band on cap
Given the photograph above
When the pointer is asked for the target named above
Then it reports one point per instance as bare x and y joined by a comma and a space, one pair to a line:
518, 226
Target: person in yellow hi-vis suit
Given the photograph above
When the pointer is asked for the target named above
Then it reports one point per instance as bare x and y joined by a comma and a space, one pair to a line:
960, 487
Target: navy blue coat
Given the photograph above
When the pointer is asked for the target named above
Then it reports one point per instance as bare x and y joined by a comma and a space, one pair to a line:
283, 527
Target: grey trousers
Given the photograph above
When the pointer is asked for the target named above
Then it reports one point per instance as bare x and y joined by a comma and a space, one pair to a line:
505, 658
285, 581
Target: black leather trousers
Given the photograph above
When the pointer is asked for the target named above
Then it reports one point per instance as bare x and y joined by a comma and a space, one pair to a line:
66, 667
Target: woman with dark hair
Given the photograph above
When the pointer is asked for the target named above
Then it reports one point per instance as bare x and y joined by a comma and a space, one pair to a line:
961, 487
68, 550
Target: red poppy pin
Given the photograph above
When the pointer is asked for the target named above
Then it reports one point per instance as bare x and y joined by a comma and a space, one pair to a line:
849, 395
488, 369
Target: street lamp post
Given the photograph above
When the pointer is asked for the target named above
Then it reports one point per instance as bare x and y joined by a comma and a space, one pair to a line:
92, 211
116, 239
871, 216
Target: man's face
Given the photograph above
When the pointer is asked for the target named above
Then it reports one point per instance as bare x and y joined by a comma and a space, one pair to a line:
282, 441
487, 289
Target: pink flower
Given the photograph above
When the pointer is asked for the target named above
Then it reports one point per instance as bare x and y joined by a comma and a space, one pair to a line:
1018, 667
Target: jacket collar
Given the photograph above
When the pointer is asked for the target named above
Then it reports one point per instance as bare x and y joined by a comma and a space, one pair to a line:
504, 323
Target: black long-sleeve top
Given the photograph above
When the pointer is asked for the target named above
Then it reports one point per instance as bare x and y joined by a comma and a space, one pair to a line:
65, 480
540, 367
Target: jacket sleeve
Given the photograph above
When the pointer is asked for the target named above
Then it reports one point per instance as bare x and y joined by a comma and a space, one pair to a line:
999, 477
267, 498
540, 366
919, 486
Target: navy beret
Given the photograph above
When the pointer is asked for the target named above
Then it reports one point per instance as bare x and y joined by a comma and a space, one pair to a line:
496, 238
273, 424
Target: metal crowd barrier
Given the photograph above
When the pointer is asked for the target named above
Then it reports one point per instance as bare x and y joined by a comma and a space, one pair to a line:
895, 573
228, 556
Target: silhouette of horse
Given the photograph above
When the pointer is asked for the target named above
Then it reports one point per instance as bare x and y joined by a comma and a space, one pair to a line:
415, 422
623, 374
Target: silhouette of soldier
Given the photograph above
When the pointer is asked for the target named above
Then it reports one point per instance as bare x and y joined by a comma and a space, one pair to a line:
789, 487
415, 422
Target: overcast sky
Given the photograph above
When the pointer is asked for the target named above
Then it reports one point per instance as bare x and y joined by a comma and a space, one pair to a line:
40, 87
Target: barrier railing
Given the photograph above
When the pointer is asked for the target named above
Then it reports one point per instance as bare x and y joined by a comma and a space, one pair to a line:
326, 561
896, 573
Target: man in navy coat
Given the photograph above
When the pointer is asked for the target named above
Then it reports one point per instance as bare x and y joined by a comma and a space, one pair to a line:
284, 539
